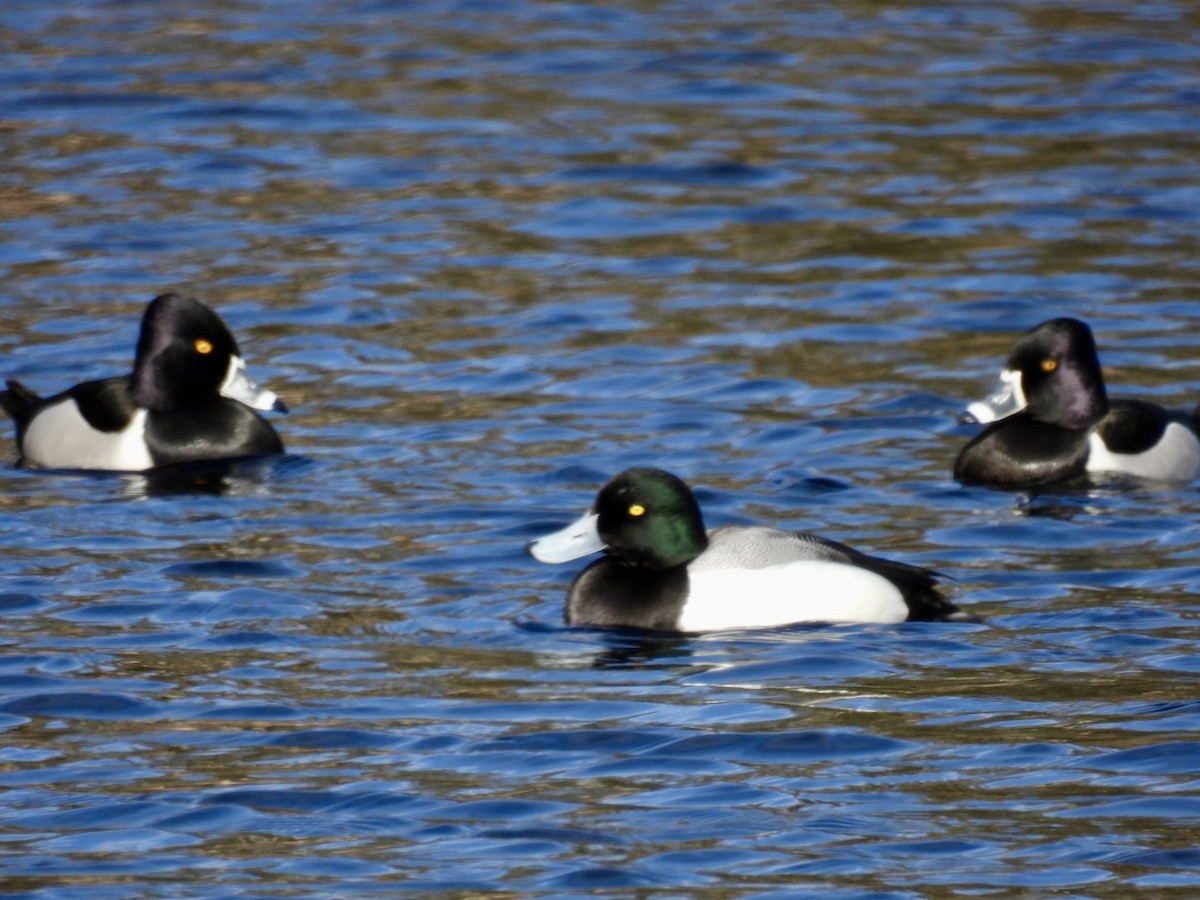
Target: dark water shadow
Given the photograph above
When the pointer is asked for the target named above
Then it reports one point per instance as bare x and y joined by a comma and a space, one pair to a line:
208, 478
622, 647
1078, 497
633, 648
214, 478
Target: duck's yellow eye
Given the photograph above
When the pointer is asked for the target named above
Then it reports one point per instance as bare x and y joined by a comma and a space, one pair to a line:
202, 346
1049, 365
637, 510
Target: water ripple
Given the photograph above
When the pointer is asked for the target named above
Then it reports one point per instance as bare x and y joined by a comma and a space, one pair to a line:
492, 254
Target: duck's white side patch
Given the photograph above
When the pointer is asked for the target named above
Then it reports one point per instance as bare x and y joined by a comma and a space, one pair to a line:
59, 437
808, 591
1174, 458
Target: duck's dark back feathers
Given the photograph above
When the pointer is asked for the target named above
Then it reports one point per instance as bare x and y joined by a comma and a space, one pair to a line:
1135, 426
19, 402
107, 403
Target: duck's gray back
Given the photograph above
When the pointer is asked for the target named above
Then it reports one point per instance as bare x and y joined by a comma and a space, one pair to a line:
760, 547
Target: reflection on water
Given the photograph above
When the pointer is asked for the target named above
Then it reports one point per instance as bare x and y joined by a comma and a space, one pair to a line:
216, 477
496, 254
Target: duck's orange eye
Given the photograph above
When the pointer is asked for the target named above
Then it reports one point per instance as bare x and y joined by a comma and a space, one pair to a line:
637, 510
1049, 365
203, 347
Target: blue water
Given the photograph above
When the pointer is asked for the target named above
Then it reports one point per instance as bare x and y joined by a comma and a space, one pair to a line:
492, 254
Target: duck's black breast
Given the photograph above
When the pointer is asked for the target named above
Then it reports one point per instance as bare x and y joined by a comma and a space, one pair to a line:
1023, 451
611, 593
223, 429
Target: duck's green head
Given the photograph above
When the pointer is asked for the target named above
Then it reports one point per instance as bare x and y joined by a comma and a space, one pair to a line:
643, 517
648, 517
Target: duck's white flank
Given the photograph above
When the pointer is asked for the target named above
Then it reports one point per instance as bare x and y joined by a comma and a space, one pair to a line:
1174, 458
59, 437
804, 591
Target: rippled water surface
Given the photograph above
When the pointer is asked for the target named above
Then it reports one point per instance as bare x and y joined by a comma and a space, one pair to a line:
493, 253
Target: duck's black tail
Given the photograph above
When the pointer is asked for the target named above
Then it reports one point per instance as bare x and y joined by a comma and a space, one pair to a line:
19, 402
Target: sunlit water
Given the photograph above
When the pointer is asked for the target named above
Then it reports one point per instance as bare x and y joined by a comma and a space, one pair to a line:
493, 253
